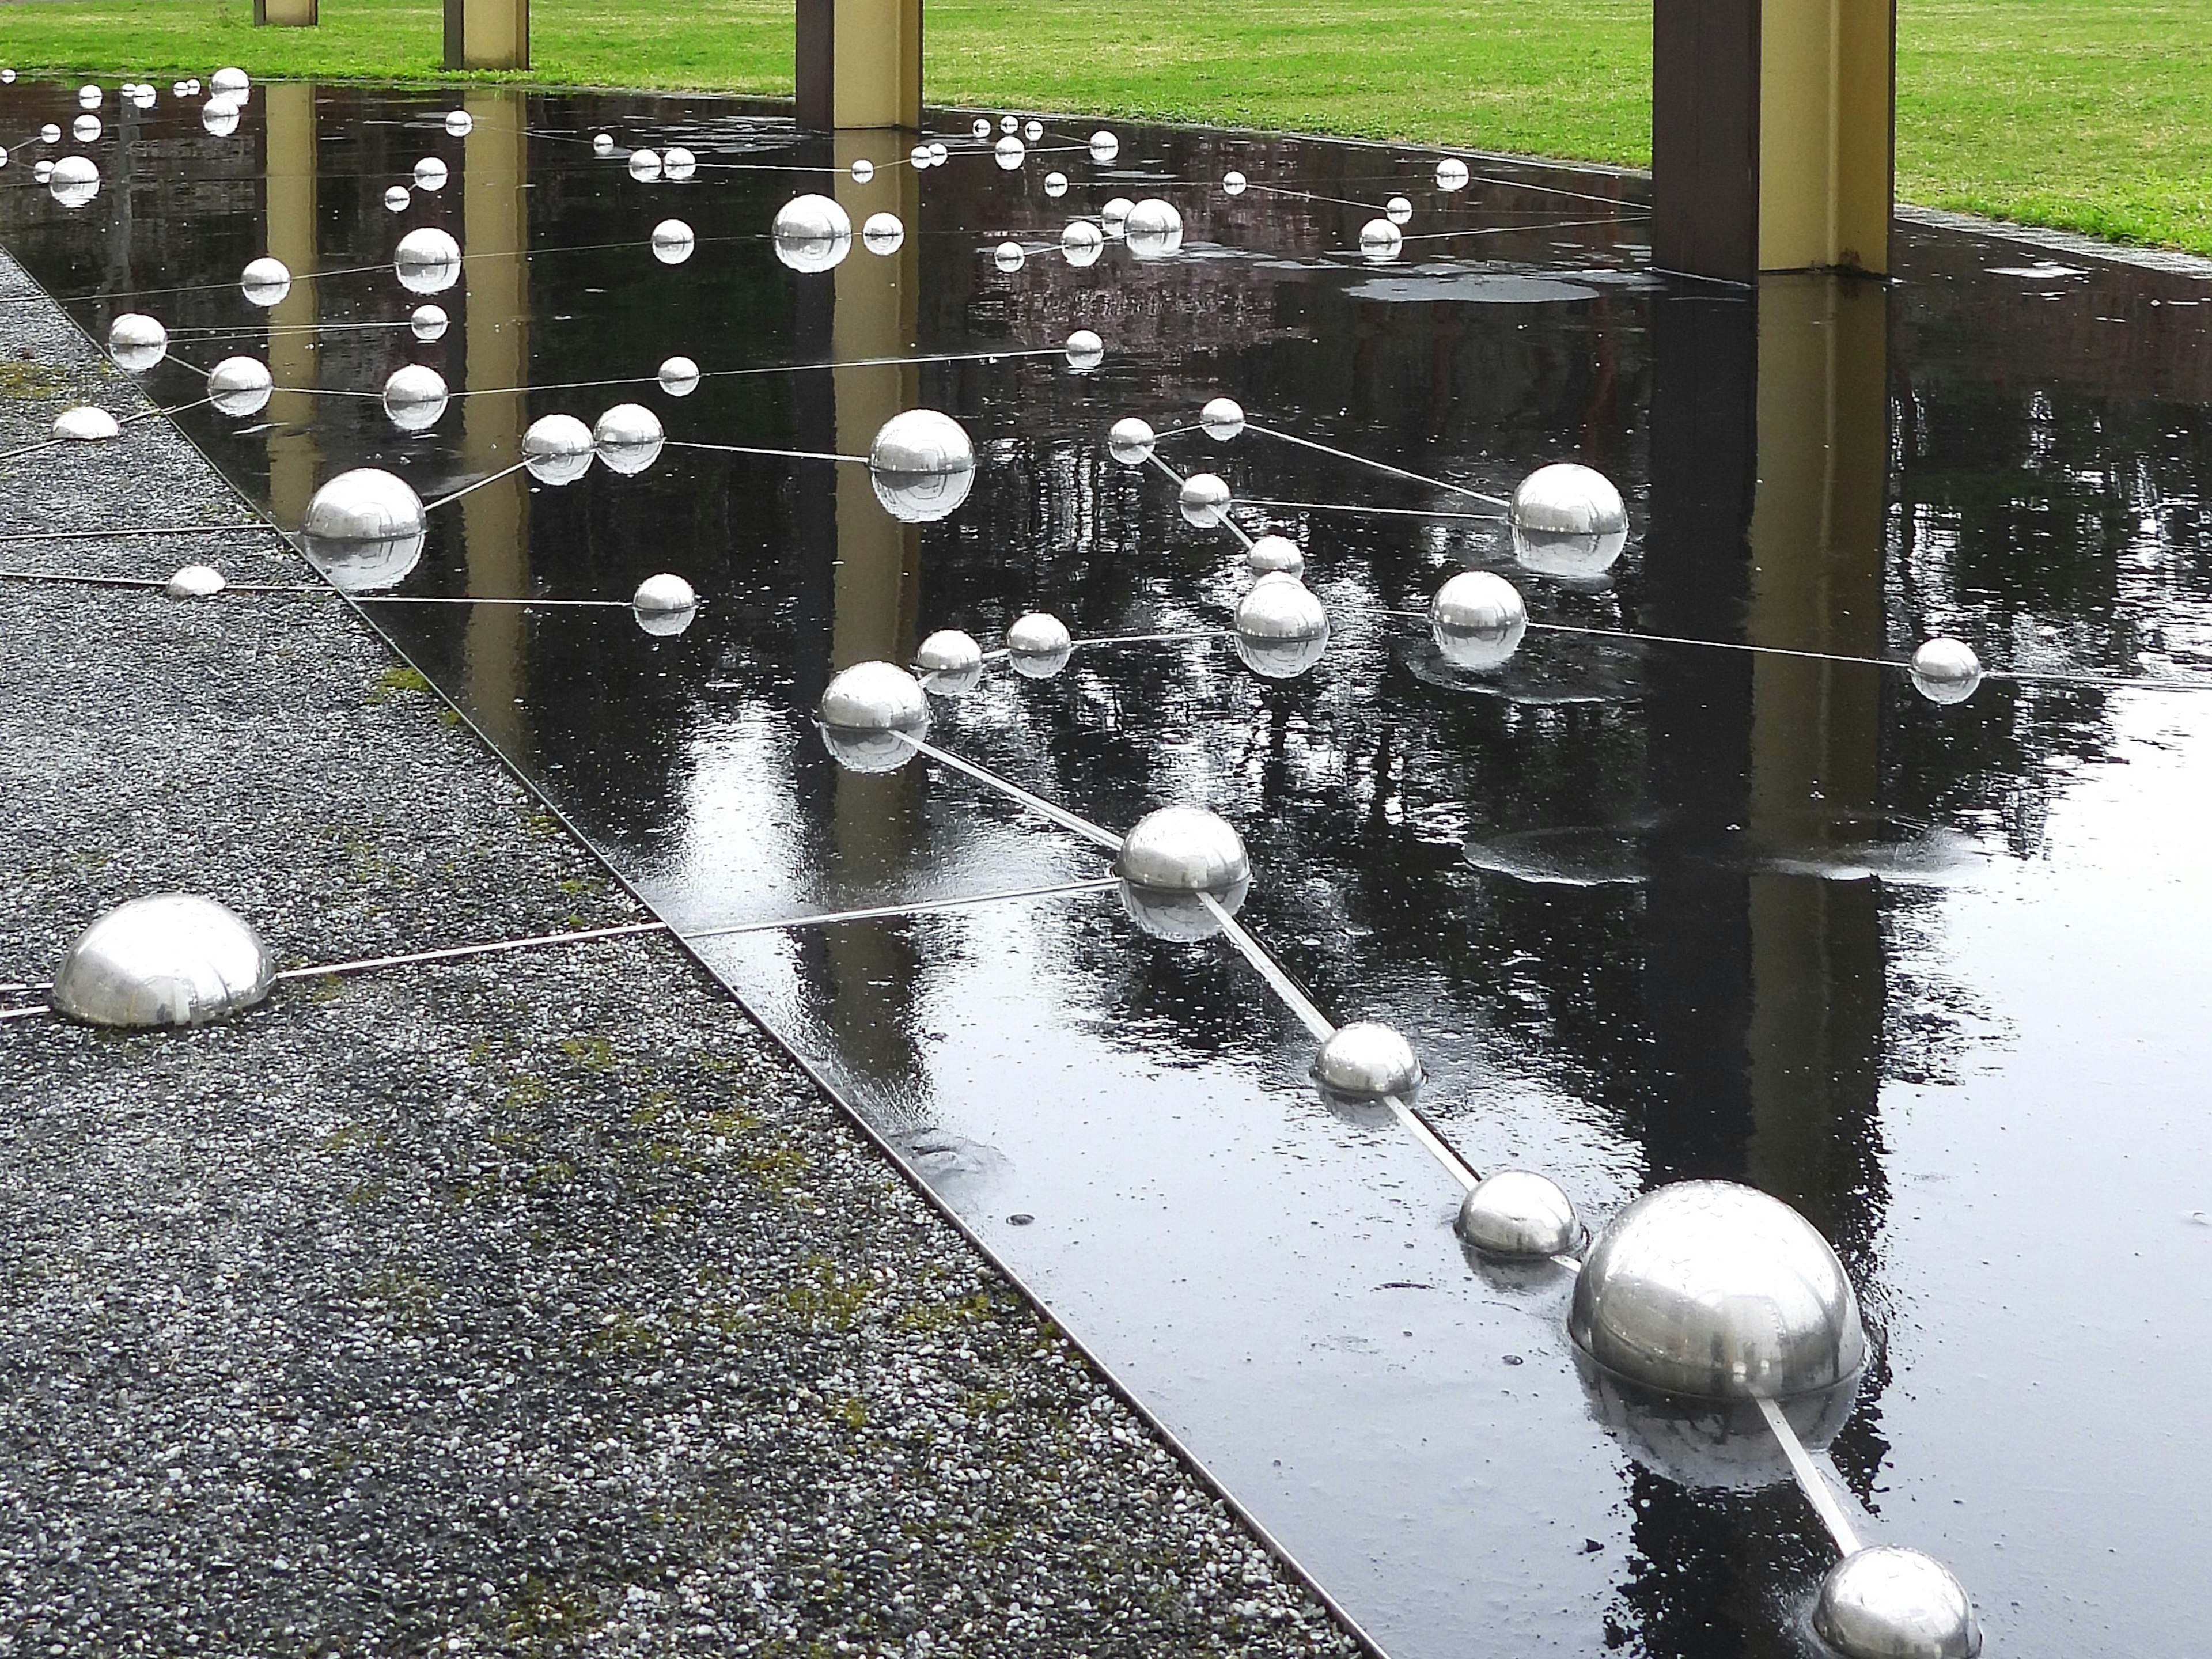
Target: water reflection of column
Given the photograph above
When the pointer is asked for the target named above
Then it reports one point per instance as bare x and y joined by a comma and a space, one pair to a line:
288, 200
494, 520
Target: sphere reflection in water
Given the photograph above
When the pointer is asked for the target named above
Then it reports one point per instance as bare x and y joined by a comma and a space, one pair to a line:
1380, 240
1114, 217
1081, 243
194, 581
239, 385
84, 424
664, 605
74, 181
364, 530
1516, 1215
678, 163
628, 438
427, 322
644, 165
678, 377
1223, 419
264, 281
1104, 146
811, 233
1271, 555
1039, 645
1946, 671
1171, 858
427, 260
557, 449
219, 116
1153, 229
949, 663
397, 199
1204, 499
1281, 627
1130, 440
869, 712
1568, 521
171, 959
922, 466
673, 241
1365, 1061
415, 397
1086, 351
429, 173
1477, 620
1889, 1602
882, 234
137, 342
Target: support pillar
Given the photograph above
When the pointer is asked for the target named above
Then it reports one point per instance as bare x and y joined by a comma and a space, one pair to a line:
286, 14
859, 63
487, 34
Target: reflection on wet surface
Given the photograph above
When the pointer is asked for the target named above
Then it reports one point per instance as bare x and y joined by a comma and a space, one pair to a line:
1934, 976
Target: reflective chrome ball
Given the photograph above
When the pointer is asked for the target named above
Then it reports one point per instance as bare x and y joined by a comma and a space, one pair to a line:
74, 181
364, 530
1056, 185
265, 280
1451, 174
628, 438
1009, 256
41, 171
429, 173
1281, 629
1365, 1061
85, 424
1568, 521
239, 385
1889, 1602
1086, 351
644, 165
1516, 1215
232, 81
603, 143
1115, 215
1223, 419
664, 605
1205, 500
882, 234
1380, 240
922, 466
88, 97
678, 163
811, 233
1169, 859
862, 171
1232, 182
1104, 146
869, 712
1130, 440
1398, 210
949, 663
919, 157
50, 134
171, 959
415, 397
1081, 242
1946, 671
557, 449
1270, 556
427, 322
1477, 620
979, 127
1010, 123
1033, 131
460, 123
1709, 1289
1039, 646
194, 581
397, 199
678, 377
1009, 153
673, 241
427, 260
85, 129
1153, 229
219, 117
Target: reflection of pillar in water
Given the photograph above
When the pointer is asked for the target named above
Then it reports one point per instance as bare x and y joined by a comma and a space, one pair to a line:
289, 198
494, 520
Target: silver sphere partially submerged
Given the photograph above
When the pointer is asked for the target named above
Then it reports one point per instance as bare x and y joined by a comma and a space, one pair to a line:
364, 530
171, 959
264, 281
869, 712
194, 581
922, 464
426, 261
1946, 671
239, 385
628, 438
415, 397
665, 604
137, 342
1281, 629
1131, 440
1517, 1215
1568, 521
1270, 556
1039, 645
557, 449
1173, 860
1477, 620
1203, 501
811, 233
1889, 1602
1365, 1062
949, 663
1153, 229
1223, 419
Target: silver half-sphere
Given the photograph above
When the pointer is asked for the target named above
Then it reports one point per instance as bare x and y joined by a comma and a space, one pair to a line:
239, 385
1171, 862
230, 80
1568, 521
426, 261
1517, 1215
398, 200
1039, 645
811, 233
678, 377
1477, 620
644, 165
1153, 229
265, 280
1130, 440
1205, 500
1086, 351
1223, 419
171, 959
1889, 1602
1380, 241
922, 466
869, 712
1365, 1061
1716, 1291
85, 425
949, 663
1946, 671
364, 530
415, 397
194, 581
665, 604
1281, 629
629, 438
557, 449
1274, 555
427, 322
1104, 146
1451, 174
882, 234
673, 241
430, 173
678, 163
74, 181
1081, 242
219, 117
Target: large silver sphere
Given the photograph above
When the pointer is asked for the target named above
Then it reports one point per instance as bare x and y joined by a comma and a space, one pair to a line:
949, 663
1130, 440
265, 280
1946, 671
171, 959
1039, 646
645, 165
398, 200
1281, 629
1568, 521
85, 130
85, 424
415, 397
1451, 174
922, 466
231, 81
430, 173
1203, 501
678, 163
194, 581
1153, 229
664, 605
1364, 1061
1889, 1602
811, 232
882, 234
1104, 146
1517, 1215
219, 117
1477, 620
1712, 1290
1223, 419
869, 712
364, 530
673, 241
1009, 153
678, 377
74, 181
1086, 351
427, 260
427, 322
628, 438
1380, 241
557, 449
1169, 859
239, 385
1270, 556
1115, 215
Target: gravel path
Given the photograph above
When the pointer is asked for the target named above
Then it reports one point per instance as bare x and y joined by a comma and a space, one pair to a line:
532, 1304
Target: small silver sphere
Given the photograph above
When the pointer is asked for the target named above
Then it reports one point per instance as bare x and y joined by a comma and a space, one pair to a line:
811, 233
1205, 500
1232, 182
1223, 419
557, 449
1568, 521
1009, 153
1086, 351
664, 605
415, 397
171, 959
678, 377
1130, 440
1477, 620
1153, 229
979, 127
364, 530
1009, 256
1270, 556
460, 123
919, 157
1397, 209
239, 385
74, 181
85, 129
603, 143
1115, 215
427, 260
949, 663
430, 173
628, 438
85, 424
1172, 856
1281, 629
194, 581
1056, 185
1946, 671
678, 163
868, 712
427, 322
219, 117
88, 97
937, 153
1010, 124
644, 165
230, 80
882, 234
50, 134
922, 466
265, 280
1104, 146
1451, 174
1033, 131
673, 241
41, 171
398, 199
1889, 1602
1081, 243
1039, 646
1516, 1215
1364, 1062
1715, 1290
1380, 241
862, 171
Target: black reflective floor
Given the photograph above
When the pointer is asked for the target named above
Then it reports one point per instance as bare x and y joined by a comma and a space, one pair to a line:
1936, 975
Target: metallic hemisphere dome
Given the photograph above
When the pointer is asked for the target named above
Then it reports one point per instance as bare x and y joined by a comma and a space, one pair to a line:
85, 423
427, 260
364, 530
427, 322
1517, 1215
430, 173
232, 81
239, 385
1205, 500
882, 234
645, 165
1039, 645
1568, 521
678, 163
1888, 1603
1169, 859
398, 200
1104, 146
1451, 174
628, 438
219, 116
1363, 1063
1477, 620
869, 712
1380, 241
673, 241
811, 233
1715, 1290
949, 663
415, 397
194, 581
922, 466
1223, 419
1081, 242
74, 181
664, 605
264, 281
1946, 671
1270, 556
1130, 440
171, 959
1281, 629
1153, 229
1085, 351
557, 449
678, 377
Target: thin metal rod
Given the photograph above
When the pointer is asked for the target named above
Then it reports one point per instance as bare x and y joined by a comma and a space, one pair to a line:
1281, 983
922, 907
488, 478
495, 947
1434, 1144
1251, 425
778, 454
157, 530
1810, 1481
1037, 804
1628, 218
1356, 508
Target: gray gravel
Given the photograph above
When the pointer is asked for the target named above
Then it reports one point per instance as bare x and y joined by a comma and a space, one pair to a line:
530, 1304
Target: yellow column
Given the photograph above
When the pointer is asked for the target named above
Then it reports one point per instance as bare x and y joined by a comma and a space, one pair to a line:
285, 14
288, 200
487, 34
1828, 83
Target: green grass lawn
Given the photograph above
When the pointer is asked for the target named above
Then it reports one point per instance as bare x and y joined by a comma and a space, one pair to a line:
2093, 115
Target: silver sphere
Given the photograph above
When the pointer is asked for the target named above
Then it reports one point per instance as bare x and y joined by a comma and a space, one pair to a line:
673, 241
1281, 629
1568, 521
1115, 215
1232, 182
922, 466
426, 261
239, 385
1203, 501
949, 663
364, 530
1712, 1290
50, 134
1364, 1062
1223, 419
678, 377
1153, 229
74, 181
1056, 185
85, 424
869, 712
1477, 620
1451, 174
664, 604
219, 117
628, 438
460, 123
1889, 1602
194, 581
1081, 243
981, 126
1946, 671
1130, 440
644, 165
1516, 1215
1009, 153
1010, 124
919, 157
557, 449
1104, 146
1169, 859
397, 199
41, 171
882, 234
863, 170
429, 173
265, 280
1380, 241
1033, 131
1039, 645
678, 163
231, 81
85, 129
171, 959
427, 322
937, 153
603, 143
415, 397
1397, 209
811, 233
1009, 256
1086, 351
88, 97
1270, 556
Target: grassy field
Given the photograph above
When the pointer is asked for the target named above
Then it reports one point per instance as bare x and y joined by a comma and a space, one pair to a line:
2092, 115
